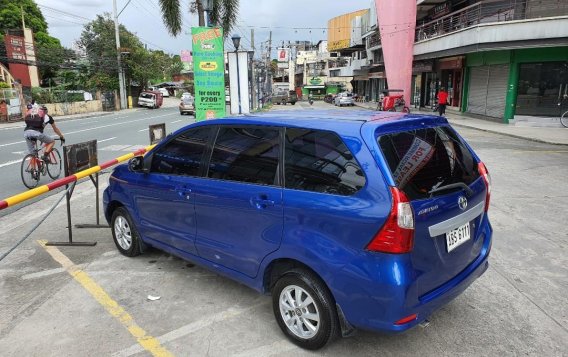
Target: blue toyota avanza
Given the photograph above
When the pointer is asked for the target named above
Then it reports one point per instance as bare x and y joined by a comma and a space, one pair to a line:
350, 220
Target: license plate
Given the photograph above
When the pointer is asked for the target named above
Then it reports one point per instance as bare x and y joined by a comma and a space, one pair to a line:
457, 237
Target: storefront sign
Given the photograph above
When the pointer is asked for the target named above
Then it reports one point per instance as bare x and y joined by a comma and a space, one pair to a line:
209, 72
316, 81
454, 63
377, 75
419, 67
338, 45
440, 10
283, 55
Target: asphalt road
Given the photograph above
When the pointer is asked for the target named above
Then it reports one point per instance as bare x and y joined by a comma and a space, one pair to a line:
116, 134
77, 301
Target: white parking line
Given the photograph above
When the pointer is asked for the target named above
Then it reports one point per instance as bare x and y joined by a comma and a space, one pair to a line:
101, 141
11, 163
191, 328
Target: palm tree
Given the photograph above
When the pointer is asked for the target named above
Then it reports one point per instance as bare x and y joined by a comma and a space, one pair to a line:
224, 14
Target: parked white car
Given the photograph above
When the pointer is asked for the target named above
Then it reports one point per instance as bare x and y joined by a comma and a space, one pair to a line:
344, 99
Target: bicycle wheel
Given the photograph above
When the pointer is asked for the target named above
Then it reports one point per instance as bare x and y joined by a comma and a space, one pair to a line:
564, 119
30, 171
54, 164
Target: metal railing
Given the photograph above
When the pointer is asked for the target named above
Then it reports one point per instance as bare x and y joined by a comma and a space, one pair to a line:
489, 12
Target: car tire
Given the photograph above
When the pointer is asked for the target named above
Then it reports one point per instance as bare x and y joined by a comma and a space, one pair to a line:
322, 325
124, 233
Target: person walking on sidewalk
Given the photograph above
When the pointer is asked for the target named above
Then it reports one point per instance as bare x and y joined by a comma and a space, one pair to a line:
35, 123
442, 101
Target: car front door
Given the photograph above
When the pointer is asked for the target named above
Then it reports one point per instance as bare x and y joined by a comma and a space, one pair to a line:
239, 204
164, 197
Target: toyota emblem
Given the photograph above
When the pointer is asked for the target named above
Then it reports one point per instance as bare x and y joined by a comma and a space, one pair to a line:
462, 203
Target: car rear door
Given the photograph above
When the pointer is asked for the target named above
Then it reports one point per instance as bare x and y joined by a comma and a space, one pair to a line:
239, 204
438, 172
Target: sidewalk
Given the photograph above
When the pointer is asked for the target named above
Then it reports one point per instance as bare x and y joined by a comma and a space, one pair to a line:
556, 136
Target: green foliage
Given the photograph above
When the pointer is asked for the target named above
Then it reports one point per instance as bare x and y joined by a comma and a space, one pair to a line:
11, 15
225, 14
48, 95
4, 85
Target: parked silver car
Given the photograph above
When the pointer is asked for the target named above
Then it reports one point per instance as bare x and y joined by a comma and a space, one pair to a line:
344, 99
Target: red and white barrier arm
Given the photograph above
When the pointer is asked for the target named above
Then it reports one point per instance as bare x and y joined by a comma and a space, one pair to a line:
24, 196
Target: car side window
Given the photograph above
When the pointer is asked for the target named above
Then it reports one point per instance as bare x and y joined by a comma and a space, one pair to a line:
246, 154
183, 154
319, 161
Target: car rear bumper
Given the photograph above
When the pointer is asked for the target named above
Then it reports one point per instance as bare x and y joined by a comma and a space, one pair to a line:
374, 294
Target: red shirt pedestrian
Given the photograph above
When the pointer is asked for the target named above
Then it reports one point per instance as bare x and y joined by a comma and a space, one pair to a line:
442, 101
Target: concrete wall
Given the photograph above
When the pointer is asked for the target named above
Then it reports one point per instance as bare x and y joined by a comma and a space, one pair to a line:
497, 32
56, 109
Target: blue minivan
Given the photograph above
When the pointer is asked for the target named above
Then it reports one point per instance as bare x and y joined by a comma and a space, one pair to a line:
350, 220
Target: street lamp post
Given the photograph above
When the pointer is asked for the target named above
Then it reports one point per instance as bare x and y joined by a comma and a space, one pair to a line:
207, 7
237, 42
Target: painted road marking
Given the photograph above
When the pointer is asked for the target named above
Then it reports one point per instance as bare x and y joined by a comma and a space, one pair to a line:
97, 127
147, 342
101, 141
177, 121
191, 328
19, 152
10, 163
143, 130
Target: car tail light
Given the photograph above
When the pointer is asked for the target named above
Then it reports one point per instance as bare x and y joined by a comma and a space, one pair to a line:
397, 234
407, 319
487, 179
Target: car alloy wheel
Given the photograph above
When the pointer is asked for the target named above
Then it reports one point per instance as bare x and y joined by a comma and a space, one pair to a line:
299, 312
125, 234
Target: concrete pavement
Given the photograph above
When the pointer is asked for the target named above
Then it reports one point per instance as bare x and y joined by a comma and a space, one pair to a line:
556, 136
92, 301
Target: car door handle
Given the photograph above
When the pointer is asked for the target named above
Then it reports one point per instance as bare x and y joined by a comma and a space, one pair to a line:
261, 203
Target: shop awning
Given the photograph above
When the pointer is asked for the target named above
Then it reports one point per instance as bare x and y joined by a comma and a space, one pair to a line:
314, 87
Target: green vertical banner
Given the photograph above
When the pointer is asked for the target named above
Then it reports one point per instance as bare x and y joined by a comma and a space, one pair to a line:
209, 72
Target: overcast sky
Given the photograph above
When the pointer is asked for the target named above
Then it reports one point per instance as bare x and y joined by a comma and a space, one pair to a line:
143, 18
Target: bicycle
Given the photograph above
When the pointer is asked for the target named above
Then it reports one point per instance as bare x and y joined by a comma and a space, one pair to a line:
33, 166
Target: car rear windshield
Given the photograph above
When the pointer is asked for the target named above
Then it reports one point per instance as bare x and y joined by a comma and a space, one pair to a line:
146, 95
422, 160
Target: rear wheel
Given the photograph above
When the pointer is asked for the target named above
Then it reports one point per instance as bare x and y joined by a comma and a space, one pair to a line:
54, 164
30, 171
124, 233
304, 309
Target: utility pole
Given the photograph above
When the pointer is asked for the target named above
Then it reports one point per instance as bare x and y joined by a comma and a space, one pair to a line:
268, 67
253, 84
118, 59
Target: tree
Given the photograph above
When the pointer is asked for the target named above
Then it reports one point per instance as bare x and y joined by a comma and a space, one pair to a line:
224, 14
140, 65
50, 55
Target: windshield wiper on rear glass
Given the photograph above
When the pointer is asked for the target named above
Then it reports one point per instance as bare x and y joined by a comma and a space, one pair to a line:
451, 186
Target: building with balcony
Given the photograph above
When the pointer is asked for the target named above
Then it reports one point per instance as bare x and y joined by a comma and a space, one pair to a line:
505, 60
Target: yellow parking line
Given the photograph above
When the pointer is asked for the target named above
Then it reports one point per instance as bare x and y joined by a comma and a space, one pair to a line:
149, 343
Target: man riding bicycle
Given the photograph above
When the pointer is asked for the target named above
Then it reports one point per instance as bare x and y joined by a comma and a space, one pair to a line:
35, 123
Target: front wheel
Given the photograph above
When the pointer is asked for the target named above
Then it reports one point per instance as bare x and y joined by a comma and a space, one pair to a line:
304, 309
564, 119
124, 233
54, 164
30, 171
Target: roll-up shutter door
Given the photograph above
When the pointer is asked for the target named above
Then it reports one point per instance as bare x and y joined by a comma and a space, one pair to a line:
497, 90
477, 100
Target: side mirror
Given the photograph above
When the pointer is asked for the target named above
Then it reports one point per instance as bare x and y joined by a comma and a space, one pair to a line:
136, 164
